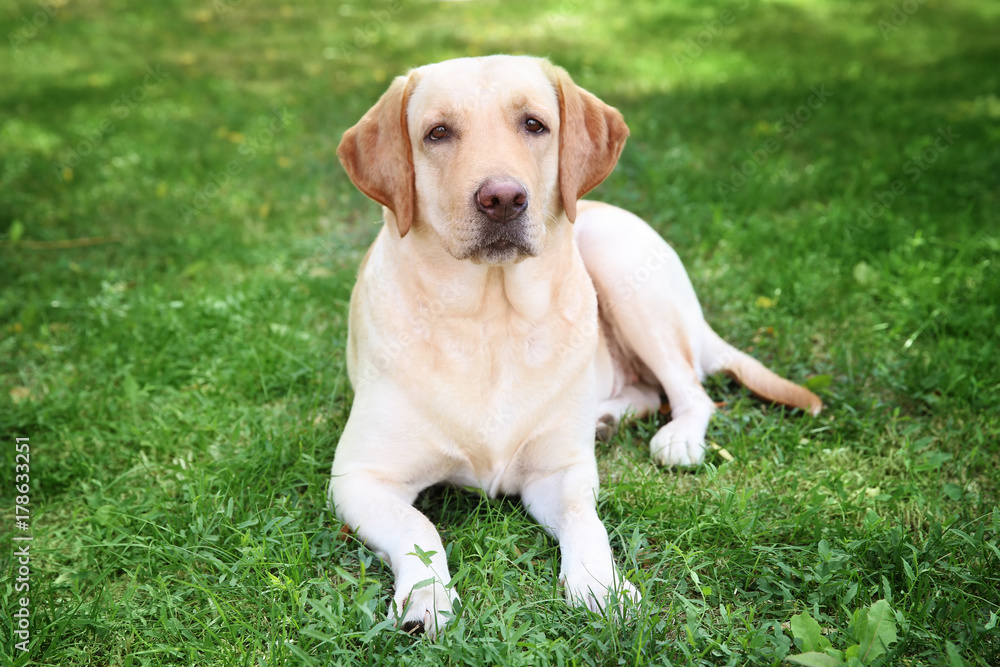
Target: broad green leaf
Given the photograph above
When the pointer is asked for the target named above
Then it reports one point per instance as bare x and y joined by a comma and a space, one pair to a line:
954, 657
953, 491
818, 382
877, 633
852, 590
15, 232
909, 572
424, 556
887, 590
807, 633
932, 460
858, 621
814, 659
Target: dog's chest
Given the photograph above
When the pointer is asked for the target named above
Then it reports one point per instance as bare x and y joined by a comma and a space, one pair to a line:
492, 359
480, 368
493, 379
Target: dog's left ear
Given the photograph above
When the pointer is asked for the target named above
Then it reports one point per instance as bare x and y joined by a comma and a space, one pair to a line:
592, 135
377, 156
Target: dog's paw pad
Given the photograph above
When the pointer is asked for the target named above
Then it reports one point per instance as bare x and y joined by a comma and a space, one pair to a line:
425, 611
413, 627
605, 429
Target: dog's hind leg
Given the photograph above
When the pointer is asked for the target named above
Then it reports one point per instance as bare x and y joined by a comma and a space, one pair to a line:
637, 400
653, 333
681, 442
656, 319
661, 327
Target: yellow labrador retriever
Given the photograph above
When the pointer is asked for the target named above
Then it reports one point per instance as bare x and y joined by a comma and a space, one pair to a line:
489, 337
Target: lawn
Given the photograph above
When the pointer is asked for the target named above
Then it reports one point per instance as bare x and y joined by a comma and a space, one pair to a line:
177, 249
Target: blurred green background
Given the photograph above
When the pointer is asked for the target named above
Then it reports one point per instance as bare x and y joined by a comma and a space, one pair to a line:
178, 245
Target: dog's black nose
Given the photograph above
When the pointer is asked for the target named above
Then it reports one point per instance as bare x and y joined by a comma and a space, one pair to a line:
501, 200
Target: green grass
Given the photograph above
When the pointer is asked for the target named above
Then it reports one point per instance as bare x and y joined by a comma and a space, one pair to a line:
182, 381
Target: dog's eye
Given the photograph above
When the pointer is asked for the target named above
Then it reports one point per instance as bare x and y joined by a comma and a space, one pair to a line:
533, 125
439, 132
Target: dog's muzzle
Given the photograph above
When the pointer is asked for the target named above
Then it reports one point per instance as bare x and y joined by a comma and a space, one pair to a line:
503, 237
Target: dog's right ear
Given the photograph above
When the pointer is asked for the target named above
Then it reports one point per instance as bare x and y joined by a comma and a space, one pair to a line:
377, 156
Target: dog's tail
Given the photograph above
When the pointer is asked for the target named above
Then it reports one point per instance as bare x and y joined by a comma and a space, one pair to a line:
755, 376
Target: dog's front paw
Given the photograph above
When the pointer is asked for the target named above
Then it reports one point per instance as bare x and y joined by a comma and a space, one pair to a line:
678, 444
424, 609
585, 590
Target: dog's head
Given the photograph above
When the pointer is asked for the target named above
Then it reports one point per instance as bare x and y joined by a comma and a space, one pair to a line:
486, 151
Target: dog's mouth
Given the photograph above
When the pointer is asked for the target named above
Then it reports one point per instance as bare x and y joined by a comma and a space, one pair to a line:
502, 244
